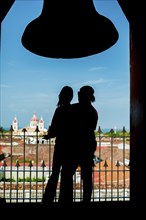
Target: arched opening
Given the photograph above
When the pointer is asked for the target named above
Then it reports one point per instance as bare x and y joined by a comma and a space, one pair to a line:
137, 83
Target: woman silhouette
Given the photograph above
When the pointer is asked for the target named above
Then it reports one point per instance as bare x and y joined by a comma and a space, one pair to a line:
59, 128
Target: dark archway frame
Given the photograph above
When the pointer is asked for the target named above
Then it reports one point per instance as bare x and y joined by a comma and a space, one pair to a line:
134, 12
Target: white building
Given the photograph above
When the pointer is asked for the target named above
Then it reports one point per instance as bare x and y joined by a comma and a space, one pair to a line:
31, 128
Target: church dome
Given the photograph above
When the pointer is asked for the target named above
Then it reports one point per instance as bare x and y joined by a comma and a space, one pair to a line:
34, 118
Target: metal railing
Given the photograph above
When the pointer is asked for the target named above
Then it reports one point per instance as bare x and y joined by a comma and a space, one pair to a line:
23, 175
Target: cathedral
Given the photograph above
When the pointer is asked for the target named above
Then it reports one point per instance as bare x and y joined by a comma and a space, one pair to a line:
31, 128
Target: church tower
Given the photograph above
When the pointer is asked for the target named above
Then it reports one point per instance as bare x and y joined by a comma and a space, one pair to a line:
41, 124
15, 124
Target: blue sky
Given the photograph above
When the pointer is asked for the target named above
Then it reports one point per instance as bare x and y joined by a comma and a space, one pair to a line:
30, 83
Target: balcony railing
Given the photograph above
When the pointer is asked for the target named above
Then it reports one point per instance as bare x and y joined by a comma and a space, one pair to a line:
23, 175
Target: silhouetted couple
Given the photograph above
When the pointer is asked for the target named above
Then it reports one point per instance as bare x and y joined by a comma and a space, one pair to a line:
74, 127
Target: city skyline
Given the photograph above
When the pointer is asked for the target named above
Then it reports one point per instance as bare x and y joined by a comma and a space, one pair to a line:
30, 83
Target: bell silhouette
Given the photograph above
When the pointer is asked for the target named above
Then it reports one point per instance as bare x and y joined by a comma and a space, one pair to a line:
69, 29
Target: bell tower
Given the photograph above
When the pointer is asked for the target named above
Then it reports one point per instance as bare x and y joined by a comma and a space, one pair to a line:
15, 124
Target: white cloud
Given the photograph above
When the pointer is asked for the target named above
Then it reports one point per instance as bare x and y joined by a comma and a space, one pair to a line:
4, 86
92, 82
97, 68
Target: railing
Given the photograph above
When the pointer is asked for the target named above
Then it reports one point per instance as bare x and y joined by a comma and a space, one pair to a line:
24, 174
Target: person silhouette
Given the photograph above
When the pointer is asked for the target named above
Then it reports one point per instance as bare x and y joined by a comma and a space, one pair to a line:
59, 128
82, 147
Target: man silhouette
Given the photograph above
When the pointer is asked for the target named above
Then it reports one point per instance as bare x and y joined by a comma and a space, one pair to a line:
82, 145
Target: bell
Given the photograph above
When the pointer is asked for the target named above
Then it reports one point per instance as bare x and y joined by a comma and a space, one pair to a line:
69, 29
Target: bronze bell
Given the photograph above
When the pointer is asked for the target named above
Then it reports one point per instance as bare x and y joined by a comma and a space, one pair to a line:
69, 29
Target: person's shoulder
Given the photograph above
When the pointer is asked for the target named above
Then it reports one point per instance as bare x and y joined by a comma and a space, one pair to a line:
93, 107
75, 105
95, 110
58, 110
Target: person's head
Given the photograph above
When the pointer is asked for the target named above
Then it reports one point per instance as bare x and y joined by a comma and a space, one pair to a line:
65, 96
86, 94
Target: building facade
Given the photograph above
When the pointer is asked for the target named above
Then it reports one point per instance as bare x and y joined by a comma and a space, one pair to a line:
31, 128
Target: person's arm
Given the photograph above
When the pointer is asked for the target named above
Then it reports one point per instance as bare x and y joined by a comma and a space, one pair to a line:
94, 119
53, 129
47, 136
